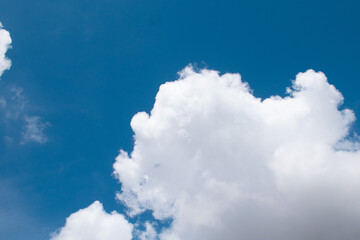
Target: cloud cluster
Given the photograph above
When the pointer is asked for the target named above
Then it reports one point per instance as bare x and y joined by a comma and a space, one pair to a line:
13, 101
223, 164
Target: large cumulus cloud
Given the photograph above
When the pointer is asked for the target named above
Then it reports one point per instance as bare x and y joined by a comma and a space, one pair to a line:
224, 164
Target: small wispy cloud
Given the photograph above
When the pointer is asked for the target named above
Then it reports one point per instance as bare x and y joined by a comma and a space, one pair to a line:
18, 97
34, 130
13, 103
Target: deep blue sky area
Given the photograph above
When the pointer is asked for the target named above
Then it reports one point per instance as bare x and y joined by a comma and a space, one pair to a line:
87, 67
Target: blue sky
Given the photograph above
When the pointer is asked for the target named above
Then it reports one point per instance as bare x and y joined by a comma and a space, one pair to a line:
87, 67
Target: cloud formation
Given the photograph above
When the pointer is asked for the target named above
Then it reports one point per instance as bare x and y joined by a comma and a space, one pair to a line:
223, 164
13, 102
93, 223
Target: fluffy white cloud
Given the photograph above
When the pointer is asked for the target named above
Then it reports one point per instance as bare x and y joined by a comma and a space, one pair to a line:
224, 164
5, 43
93, 223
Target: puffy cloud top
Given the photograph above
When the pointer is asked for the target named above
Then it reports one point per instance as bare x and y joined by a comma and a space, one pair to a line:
5, 42
93, 223
224, 164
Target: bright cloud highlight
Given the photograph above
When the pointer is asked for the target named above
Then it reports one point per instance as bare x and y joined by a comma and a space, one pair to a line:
5, 44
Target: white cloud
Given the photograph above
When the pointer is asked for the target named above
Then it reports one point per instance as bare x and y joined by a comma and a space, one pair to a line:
5, 44
224, 164
12, 103
93, 223
34, 130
